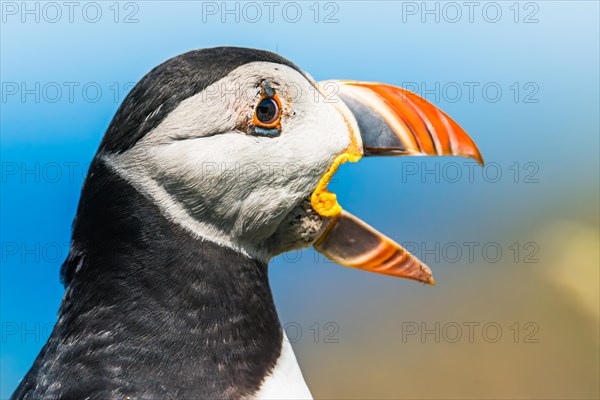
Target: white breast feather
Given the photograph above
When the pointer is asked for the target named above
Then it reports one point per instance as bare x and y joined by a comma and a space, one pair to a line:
286, 380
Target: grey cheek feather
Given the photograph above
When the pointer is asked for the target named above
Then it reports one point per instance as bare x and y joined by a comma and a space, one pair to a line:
300, 228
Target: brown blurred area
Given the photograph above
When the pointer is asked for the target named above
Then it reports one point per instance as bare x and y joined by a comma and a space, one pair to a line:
548, 313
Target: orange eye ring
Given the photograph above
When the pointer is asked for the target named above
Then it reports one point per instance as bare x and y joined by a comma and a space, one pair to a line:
267, 114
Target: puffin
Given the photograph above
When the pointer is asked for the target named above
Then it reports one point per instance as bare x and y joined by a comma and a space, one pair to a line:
215, 162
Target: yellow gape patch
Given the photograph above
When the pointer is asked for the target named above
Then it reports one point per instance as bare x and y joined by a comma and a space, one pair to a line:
322, 200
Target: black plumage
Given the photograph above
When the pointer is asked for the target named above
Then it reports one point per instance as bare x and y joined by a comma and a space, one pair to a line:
151, 312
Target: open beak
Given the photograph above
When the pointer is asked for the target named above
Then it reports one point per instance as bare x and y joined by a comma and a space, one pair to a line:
392, 122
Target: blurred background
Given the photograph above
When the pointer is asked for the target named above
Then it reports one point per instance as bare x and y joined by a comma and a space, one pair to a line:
513, 246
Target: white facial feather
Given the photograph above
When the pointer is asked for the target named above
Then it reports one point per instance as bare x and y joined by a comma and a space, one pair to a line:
206, 173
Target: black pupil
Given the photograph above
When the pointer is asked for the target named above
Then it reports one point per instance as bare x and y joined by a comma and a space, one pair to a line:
266, 111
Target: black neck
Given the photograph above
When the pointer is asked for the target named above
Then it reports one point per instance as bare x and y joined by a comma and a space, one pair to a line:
152, 311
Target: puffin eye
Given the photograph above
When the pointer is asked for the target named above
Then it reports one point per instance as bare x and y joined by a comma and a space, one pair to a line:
267, 111
267, 116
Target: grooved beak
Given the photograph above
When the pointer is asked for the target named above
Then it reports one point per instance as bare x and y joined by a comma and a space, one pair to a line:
396, 122
392, 122
351, 242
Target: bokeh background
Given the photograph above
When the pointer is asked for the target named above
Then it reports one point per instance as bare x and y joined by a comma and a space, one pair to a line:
513, 246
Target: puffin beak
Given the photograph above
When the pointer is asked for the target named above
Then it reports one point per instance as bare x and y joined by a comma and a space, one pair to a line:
396, 122
392, 122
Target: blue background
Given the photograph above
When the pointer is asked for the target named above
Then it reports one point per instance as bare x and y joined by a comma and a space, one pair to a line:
552, 135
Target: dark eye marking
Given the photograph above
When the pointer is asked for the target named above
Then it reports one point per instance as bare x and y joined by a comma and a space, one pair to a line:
269, 91
258, 131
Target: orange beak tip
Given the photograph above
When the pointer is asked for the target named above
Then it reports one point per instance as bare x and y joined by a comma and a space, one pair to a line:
479, 158
426, 276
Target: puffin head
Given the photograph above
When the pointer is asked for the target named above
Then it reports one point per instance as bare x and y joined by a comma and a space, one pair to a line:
237, 146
